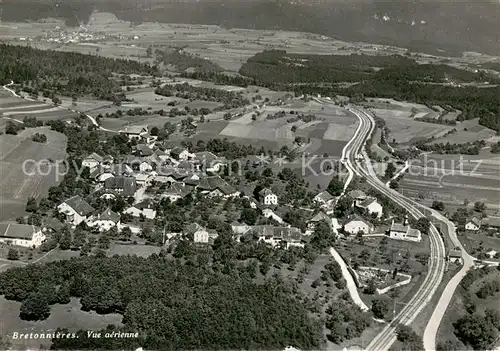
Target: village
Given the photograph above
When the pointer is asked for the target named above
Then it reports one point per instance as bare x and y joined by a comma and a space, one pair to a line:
132, 195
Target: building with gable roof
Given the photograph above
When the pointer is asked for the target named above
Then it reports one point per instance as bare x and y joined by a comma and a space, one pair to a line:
75, 209
24, 235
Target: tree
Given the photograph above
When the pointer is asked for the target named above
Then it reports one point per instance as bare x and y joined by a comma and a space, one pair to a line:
31, 205
35, 307
394, 184
411, 341
423, 224
438, 205
476, 331
344, 205
381, 307
154, 131
479, 206
390, 171
13, 254
249, 216
65, 241
12, 128
335, 187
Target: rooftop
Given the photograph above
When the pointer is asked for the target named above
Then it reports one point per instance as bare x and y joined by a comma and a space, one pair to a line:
17, 231
79, 205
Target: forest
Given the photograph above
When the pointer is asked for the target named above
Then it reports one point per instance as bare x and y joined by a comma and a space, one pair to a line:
394, 77
172, 304
71, 74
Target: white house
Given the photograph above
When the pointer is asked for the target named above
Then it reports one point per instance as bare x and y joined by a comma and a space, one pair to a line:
180, 154
323, 198
474, 224
92, 161
403, 231
200, 234
104, 221
267, 197
21, 235
134, 132
371, 205
75, 209
144, 208
356, 225
268, 213
455, 256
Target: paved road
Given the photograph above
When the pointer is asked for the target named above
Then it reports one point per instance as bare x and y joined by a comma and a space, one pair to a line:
351, 285
436, 265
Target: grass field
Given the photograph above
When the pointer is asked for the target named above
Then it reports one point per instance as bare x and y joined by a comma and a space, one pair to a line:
16, 186
68, 316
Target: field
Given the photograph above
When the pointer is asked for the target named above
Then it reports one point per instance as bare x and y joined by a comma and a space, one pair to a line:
454, 178
69, 316
16, 186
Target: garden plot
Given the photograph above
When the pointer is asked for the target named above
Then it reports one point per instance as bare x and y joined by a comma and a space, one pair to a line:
339, 132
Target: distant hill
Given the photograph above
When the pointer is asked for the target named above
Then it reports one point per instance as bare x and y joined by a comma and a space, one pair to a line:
426, 26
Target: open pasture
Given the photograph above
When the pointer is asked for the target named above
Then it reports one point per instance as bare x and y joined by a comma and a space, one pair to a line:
68, 316
454, 178
16, 184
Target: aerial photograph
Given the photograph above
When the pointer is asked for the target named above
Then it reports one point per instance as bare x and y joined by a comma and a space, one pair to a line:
283, 175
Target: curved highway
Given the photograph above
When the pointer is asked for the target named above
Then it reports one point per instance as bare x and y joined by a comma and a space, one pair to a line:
436, 265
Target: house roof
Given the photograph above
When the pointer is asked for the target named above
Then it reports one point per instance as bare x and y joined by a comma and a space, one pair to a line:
216, 182
177, 150
399, 227
144, 150
320, 216
287, 233
358, 218
324, 196
134, 130
265, 192
193, 228
205, 156
17, 231
475, 221
109, 215
126, 184
79, 205
414, 233
367, 202
108, 158
455, 253
52, 223
177, 189
357, 194
94, 156
147, 203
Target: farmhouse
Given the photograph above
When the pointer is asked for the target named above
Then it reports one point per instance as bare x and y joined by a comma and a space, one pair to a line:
124, 186
357, 195
144, 208
455, 256
403, 231
21, 235
371, 205
356, 224
473, 224
323, 198
175, 192
268, 197
75, 209
275, 236
317, 218
134, 132
215, 186
92, 161
104, 221
200, 234
268, 213
179, 153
